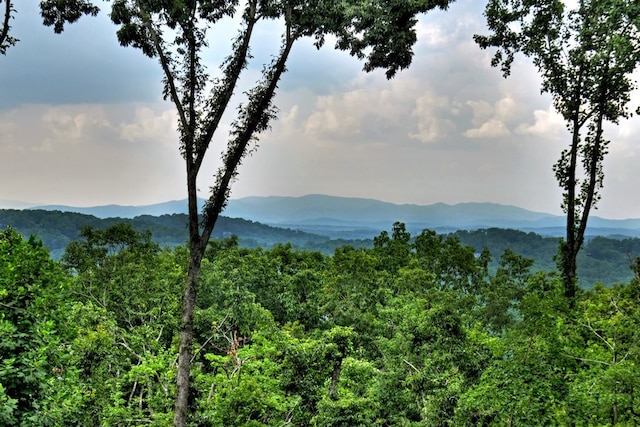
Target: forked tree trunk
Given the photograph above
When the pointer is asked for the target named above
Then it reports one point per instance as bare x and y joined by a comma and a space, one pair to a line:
198, 240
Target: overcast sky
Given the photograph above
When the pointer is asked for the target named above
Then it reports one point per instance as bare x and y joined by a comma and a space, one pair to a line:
82, 123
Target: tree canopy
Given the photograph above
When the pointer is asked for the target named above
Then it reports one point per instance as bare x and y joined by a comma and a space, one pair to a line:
413, 331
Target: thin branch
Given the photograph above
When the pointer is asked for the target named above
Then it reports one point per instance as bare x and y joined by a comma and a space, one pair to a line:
584, 359
12, 307
209, 339
160, 333
125, 345
164, 62
5, 23
588, 326
409, 363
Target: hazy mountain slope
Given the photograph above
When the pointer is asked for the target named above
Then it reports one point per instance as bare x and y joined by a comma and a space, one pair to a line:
359, 217
119, 211
344, 217
57, 229
345, 210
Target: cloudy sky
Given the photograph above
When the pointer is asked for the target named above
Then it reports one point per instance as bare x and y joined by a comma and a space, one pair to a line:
82, 123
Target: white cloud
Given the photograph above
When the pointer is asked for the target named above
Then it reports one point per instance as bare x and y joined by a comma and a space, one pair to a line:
547, 123
325, 120
149, 124
482, 112
506, 108
71, 124
73, 154
493, 128
350, 113
490, 121
290, 117
431, 34
430, 111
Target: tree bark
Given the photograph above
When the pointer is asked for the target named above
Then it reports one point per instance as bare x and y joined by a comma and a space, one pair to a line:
186, 339
571, 246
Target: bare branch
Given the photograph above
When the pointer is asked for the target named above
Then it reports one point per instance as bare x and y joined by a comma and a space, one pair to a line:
411, 365
591, 328
584, 359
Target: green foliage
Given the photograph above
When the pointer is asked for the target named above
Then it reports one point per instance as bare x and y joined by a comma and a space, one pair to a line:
525, 382
454, 265
393, 251
353, 402
31, 286
410, 332
116, 356
604, 259
124, 272
244, 385
607, 346
504, 291
427, 358
65, 11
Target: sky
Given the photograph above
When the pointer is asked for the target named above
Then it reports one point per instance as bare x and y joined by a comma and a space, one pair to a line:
83, 123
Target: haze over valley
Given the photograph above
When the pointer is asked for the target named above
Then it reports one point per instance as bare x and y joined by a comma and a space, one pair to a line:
364, 218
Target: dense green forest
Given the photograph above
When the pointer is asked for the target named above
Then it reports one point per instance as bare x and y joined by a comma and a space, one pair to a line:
604, 260
414, 330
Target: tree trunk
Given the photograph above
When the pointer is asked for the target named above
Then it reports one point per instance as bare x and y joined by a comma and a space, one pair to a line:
186, 340
570, 248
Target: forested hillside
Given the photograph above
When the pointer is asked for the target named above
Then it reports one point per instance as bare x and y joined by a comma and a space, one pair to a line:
57, 229
415, 330
604, 260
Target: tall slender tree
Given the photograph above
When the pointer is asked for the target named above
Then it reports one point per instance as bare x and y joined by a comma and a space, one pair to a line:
380, 32
586, 57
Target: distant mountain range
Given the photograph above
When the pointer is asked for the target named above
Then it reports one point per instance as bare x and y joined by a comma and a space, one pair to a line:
364, 218
323, 223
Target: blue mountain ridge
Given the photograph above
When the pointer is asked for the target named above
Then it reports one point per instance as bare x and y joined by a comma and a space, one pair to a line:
335, 216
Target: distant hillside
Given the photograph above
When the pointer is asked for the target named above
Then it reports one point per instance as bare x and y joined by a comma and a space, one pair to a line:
334, 216
57, 229
337, 214
603, 260
358, 218
319, 208
119, 211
